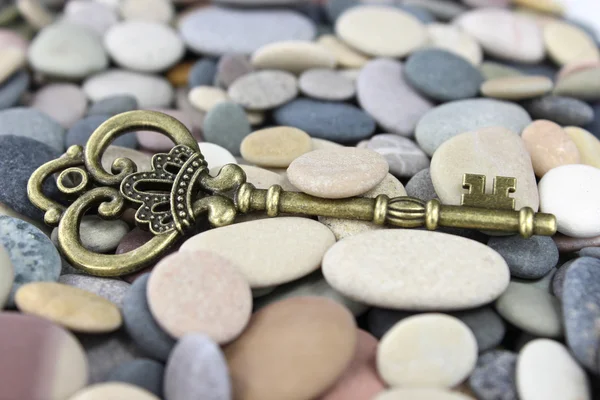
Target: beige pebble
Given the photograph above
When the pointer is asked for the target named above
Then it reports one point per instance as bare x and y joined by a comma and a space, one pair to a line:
7, 276
199, 292
451, 38
546, 6
380, 31
549, 146
338, 173
576, 66
268, 251
318, 144
142, 160
161, 11
582, 83
71, 307
566, 43
421, 394
12, 58
263, 90
492, 70
293, 56
342, 228
427, 350
326, 84
351, 74
345, 56
517, 87
587, 144
206, 97
113, 391
275, 147
255, 117
34, 12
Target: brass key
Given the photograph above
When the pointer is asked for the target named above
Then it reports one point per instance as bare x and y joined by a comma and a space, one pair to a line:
179, 189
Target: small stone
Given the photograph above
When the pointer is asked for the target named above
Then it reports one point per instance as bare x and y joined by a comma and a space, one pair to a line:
204, 98
156, 141
13, 88
13, 59
432, 350
417, 11
99, 235
292, 56
567, 244
34, 124
567, 43
215, 155
587, 144
226, 125
420, 186
263, 90
493, 70
570, 192
231, 67
494, 376
7, 276
202, 73
275, 147
65, 103
94, 15
440, 9
326, 84
583, 84
517, 87
589, 252
35, 13
345, 56
113, 390
420, 394
562, 110
403, 155
81, 131
178, 74
450, 38
113, 105
142, 372
113, 290
161, 11
529, 258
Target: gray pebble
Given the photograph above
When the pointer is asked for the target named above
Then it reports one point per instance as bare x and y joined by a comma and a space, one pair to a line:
335, 8
494, 376
544, 69
492, 70
543, 283
581, 310
264, 90
526, 258
231, 67
326, 84
13, 88
338, 122
33, 256
226, 124
441, 9
594, 126
442, 75
141, 372
565, 111
202, 73
81, 131
140, 323
558, 280
113, 290
113, 105
403, 155
33, 124
589, 252
421, 186
420, 13
99, 235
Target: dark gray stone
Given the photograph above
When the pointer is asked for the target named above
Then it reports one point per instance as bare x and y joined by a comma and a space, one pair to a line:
13, 88
494, 376
141, 372
226, 124
420, 186
581, 310
527, 258
81, 131
558, 280
335, 8
140, 323
202, 73
589, 252
442, 75
19, 158
33, 124
565, 111
594, 126
113, 105
338, 122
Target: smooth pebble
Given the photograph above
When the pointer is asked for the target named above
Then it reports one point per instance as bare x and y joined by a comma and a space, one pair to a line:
161, 11
12, 89
587, 144
530, 258
92, 14
230, 67
292, 56
264, 90
113, 105
583, 84
403, 155
141, 372
420, 186
517, 87
65, 103
494, 376
7, 276
451, 38
156, 141
563, 110
113, 390
345, 56
113, 290
226, 125
420, 394
567, 43
275, 147
34, 124
215, 155
326, 84
79, 133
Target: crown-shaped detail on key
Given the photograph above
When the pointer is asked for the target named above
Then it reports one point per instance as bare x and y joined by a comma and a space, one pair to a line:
498, 199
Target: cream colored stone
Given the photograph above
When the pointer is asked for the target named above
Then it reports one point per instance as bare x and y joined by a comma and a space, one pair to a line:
12, 58
318, 144
35, 13
582, 83
576, 66
326, 84
566, 43
451, 38
7, 276
547, 6
275, 147
549, 146
255, 117
147, 10
71, 307
517, 87
420, 394
113, 391
380, 31
206, 97
587, 144
345, 56
293, 56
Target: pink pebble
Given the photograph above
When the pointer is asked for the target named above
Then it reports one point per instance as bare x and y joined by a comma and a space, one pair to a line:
155, 141
63, 102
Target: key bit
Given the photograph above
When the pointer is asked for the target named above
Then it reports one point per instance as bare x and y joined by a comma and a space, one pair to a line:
499, 199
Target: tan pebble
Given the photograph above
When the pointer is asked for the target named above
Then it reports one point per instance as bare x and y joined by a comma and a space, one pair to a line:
547, 6
113, 391
451, 38
427, 350
293, 349
380, 31
540, 18
255, 117
293, 56
421, 394
142, 160
516, 87
178, 75
147, 10
206, 97
549, 146
12, 58
576, 66
71, 307
275, 147
318, 144
35, 13
345, 56
566, 43
587, 144
7, 275
338, 173
582, 83
492, 70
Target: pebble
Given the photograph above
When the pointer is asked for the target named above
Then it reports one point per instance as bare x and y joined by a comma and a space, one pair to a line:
529, 258
403, 155
29, 344
494, 376
275, 147
35, 13
564, 111
420, 394
7, 276
438, 8
161, 11
144, 46
142, 160
303, 345
149, 90
226, 125
230, 67
549, 146
92, 14
589, 252
217, 30
345, 56
587, 144
420, 186
142, 372
67, 50
380, 31
197, 369
451, 38
460, 273
113, 105
264, 90
34, 124
202, 73
81, 131
335, 121
427, 350
264, 245
581, 299
292, 56
492, 70
442, 75
326, 84
13, 88
566, 43
517, 87
13, 59
200, 306
155, 141
204, 98
500, 152
113, 390
113, 290
197, 117
570, 193
178, 75
546, 370
583, 84
65, 103
99, 235
216, 155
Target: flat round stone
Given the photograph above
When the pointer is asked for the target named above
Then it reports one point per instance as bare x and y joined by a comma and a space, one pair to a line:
529, 258
113, 390
380, 31
420, 394
113, 290
13, 88
34, 124
338, 173
564, 111
263, 90
199, 305
326, 84
94, 15
275, 147
63, 102
282, 339
204, 98
403, 155
494, 375
7, 275
451, 38
460, 273
202, 73
587, 144
567, 43
492, 70
582, 83
571, 193
517, 87
431, 350
51, 362
226, 125
161, 11
345, 56
141, 372
294, 56
99, 235
264, 245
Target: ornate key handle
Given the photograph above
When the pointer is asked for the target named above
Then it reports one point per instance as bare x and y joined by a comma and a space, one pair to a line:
179, 189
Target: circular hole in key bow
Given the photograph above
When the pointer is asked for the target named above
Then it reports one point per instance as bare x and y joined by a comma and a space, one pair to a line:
72, 180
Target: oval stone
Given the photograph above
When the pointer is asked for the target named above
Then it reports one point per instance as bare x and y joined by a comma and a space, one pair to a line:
494, 376
7, 276
568, 43
582, 83
275, 147
403, 155
345, 56
113, 390
113, 290
113, 105
326, 84
564, 111
34, 124
460, 273
226, 125
12, 90
517, 87
95, 15
293, 56
453, 39
530, 258
263, 90
63, 102
587, 144
147, 10
230, 67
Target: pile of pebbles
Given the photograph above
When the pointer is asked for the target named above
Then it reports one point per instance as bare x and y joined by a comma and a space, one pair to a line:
335, 99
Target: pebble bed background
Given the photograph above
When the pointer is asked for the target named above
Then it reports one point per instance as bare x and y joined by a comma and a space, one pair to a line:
338, 99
